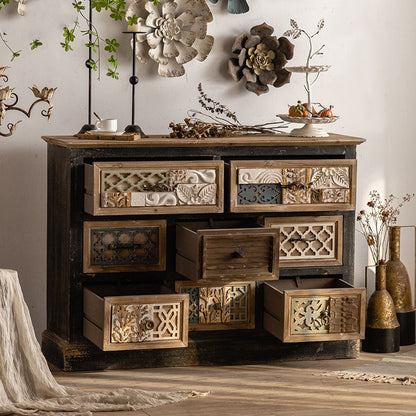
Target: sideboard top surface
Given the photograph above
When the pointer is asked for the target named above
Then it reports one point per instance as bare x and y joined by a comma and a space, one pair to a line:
248, 140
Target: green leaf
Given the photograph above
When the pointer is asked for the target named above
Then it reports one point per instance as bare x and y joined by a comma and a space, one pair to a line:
132, 20
35, 44
78, 6
66, 46
92, 64
112, 45
113, 61
113, 74
3, 2
15, 55
91, 45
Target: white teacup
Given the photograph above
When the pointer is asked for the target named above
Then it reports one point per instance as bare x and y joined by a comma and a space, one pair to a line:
108, 124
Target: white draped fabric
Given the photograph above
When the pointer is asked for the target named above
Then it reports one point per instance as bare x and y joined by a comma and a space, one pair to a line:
26, 384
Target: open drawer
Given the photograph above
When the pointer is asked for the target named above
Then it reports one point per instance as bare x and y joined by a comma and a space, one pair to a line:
155, 187
219, 305
314, 309
133, 317
225, 250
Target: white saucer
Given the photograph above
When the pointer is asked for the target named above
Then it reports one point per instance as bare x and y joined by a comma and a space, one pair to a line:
106, 133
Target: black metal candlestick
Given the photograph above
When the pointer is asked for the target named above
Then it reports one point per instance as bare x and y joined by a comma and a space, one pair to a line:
134, 128
89, 126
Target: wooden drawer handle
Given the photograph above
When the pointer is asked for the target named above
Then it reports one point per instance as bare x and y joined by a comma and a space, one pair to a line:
238, 254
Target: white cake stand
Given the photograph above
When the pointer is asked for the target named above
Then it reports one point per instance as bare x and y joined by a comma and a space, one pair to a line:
310, 128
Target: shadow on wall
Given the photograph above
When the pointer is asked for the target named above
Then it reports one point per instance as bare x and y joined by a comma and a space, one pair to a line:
23, 225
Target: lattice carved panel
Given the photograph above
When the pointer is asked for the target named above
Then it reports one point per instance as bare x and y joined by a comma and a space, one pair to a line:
143, 323
310, 315
124, 246
317, 240
133, 180
238, 298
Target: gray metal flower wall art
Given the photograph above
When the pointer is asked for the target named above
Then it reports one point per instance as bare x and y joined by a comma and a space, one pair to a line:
175, 33
260, 59
235, 6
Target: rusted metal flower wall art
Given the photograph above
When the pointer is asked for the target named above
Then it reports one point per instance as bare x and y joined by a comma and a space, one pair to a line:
6, 93
260, 59
235, 6
175, 33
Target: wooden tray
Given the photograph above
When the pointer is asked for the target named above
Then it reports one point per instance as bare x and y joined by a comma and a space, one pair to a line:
109, 136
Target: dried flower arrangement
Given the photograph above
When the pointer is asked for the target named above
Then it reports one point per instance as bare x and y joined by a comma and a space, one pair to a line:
375, 222
223, 122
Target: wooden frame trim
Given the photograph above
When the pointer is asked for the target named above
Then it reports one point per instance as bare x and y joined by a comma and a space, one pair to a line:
337, 220
92, 202
89, 225
251, 298
237, 164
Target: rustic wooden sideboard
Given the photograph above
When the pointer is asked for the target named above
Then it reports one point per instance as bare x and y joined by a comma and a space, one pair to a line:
173, 252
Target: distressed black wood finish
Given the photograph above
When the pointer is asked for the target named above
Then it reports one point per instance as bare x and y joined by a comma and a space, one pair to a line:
63, 343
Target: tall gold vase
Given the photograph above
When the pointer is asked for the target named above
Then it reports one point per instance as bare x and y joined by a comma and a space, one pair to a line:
398, 285
382, 329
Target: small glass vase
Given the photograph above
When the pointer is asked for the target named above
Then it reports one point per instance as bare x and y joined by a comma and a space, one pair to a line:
382, 329
398, 285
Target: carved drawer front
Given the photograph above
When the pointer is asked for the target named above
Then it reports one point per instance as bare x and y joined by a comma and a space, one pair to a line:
292, 185
129, 188
314, 309
217, 306
120, 246
229, 253
309, 241
132, 322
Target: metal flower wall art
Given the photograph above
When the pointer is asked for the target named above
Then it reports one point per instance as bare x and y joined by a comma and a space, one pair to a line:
235, 6
260, 59
6, 94
175, 33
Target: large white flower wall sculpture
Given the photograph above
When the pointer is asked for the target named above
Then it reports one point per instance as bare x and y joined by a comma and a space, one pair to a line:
175, 33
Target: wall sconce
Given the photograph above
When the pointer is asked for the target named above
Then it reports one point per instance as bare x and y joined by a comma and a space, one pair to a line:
6, 93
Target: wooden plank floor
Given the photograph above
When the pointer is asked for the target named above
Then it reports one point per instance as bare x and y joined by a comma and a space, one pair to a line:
280, 388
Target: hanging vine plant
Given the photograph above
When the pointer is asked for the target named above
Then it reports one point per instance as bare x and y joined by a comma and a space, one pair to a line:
116, 10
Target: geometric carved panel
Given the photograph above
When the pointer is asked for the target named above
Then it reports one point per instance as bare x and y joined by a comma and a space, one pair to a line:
259, 194
141, 323
310, 315
133, 180
345, 314
317, 240
124, 246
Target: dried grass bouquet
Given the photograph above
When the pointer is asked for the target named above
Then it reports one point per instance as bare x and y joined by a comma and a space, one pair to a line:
375, 222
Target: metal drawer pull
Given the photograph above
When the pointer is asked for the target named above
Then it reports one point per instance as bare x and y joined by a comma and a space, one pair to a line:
238, 254
302, 239
148, 325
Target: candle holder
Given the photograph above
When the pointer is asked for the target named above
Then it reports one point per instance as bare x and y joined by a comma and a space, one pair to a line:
134, 80
89, 126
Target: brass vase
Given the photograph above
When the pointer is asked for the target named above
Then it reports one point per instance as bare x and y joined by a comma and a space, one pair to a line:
382, 329
398, 285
